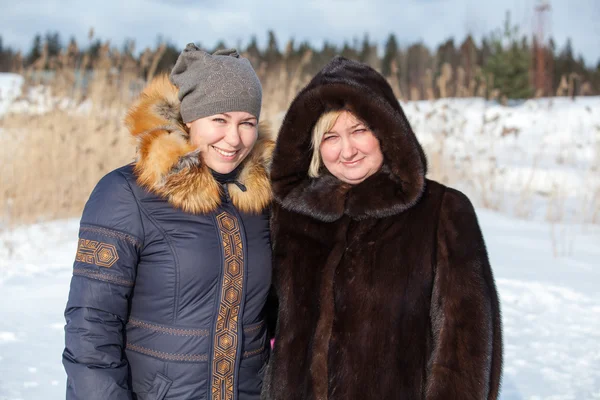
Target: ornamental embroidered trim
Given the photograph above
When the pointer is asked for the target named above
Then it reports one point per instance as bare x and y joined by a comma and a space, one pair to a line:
167, 356
167, 329
110, 233
248, 354
102, 276
227, 337
96, 253
256, 327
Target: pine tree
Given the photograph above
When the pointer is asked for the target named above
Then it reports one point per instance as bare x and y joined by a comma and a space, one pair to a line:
447, 53
253, 52
349, 52
509, 63
169, 58
418, 61
484, 53
128, 47
468, 57
550, 58
329, 51
272, 54
5, 57
54, 43
36, 49
391, 53
303, 48
596, 78
365, 49
368, 53
564, 63
94, 49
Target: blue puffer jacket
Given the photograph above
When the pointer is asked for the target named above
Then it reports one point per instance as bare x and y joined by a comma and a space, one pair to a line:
172, 272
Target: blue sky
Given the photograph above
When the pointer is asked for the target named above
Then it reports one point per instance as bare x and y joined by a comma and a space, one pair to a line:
235, 21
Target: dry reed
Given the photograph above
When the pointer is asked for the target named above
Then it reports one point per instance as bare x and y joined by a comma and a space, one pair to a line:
52, 158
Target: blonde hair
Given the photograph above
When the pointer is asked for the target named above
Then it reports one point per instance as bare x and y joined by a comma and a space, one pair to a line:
325, 122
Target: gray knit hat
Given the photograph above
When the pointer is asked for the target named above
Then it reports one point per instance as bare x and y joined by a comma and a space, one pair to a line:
214, 84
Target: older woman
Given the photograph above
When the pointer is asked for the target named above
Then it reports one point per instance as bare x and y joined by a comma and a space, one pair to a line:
384, 285
173, 266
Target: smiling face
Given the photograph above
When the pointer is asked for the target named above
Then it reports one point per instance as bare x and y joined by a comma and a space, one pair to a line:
224, 140
350, 151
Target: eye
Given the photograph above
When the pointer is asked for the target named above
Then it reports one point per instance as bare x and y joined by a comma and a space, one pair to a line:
249, 124
219, 120
329, 138
360, 130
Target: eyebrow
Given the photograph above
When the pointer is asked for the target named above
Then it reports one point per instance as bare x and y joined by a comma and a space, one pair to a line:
352, 127
245, 119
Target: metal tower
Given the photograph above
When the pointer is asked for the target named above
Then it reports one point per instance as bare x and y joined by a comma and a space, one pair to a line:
542, 8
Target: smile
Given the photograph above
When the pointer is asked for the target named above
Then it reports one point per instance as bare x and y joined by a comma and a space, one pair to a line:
352, 163
225, 154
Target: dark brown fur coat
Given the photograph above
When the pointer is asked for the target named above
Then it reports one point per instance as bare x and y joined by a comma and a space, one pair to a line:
385, 288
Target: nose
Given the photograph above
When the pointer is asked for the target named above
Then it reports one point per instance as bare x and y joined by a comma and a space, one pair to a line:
348, 150
232, 136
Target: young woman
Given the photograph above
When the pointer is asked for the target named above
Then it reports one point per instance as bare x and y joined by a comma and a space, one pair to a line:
174, 259
384, 285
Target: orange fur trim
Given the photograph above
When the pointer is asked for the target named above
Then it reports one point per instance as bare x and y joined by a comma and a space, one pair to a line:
255, 176
157, 107
168, 165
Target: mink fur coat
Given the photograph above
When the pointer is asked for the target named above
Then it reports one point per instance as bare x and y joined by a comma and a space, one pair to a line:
385, 289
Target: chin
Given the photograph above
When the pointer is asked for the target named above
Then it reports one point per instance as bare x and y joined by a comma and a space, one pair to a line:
222, 168
355, 179
225, 170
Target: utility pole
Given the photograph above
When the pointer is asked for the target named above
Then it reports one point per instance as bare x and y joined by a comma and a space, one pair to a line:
542, 8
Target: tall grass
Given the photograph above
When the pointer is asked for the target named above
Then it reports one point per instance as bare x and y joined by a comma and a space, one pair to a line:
66, 131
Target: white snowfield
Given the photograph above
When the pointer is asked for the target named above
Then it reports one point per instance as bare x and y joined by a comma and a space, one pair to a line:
534, 159
538, 160
550, 307
10, 89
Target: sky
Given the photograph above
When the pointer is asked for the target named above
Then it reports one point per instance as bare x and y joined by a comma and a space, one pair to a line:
235, 21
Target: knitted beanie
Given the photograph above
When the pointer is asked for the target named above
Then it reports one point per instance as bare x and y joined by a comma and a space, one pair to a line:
215, 83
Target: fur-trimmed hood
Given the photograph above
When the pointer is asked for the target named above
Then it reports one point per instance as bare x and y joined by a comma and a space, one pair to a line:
346, 84
168, 165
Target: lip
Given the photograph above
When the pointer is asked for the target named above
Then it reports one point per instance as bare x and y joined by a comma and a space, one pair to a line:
224, 154
352, 163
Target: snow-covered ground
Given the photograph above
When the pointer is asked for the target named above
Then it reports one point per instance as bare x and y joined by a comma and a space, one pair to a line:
538, 160
535, 159
550, 307
10, 89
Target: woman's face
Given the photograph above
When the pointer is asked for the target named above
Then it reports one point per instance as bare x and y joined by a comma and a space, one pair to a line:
350, 151
224, 140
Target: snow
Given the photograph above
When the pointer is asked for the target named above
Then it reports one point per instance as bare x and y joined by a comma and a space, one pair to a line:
538, 163
10, 89
37, 99
524, 159
550, 307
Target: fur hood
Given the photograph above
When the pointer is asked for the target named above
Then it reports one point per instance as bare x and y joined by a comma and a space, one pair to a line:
168, 165
346, 84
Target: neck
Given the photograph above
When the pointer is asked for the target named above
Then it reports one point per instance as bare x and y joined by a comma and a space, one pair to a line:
229, 177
